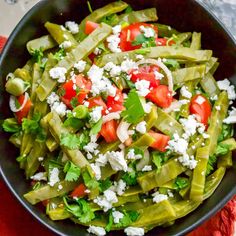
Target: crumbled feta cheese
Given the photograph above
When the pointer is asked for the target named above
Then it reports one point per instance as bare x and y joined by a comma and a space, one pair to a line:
185, 93
128, 65
184, 101
141, 127
86, 104
89, 156
72, 27
101, 160
178, 145
97, 51
58, 73
147, 168
147, 107
54, 102
116, 29
117, 216
158, 75
201, 128
142, 87
148, 31
96, 170
134, 231
60, 187
40, 158
169, 193
92, 145
53, 176
225, 85
95, 73
96, 114
39, 176
99, 231
205, 136
117, 160
187, 161
120, 187
139, 57
80, 66
158, 197
218, 108
113, 43
113, 69
231, 119
132, 156
106, 201
65, 44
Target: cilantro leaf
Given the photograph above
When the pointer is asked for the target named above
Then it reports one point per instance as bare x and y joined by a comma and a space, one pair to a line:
96, 128
130, 178
72, 171
222, 149
134, 109
128, 9
104, 184
210, 165
172, 64
21, 158
157, 160
128, 218
110, 222
81, 209
112, 19
74, 102
144, 41
11, 125
180, 183
74, 122
31, 125
227, 132
89, 181
59, 55
37, 56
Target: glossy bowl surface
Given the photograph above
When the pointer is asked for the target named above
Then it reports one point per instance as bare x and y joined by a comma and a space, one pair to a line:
184, 15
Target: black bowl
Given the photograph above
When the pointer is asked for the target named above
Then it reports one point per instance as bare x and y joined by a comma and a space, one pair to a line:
184, 15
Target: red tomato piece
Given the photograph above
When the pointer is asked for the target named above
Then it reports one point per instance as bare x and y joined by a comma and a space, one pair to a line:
25, 110
115, 104
79, 191
146, 73
129, 34
116, 107
108, 131
45, 202
161, 141
83, 85
161, 96
163, 42
90, 26
97, 101
201, 107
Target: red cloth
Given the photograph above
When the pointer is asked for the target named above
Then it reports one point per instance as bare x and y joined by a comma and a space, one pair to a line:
17, 221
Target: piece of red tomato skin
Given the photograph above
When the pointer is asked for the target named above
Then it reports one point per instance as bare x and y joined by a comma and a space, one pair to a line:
84, 86
202, 111
90, 26
25, 110
97, 101
79, 191
115, 103
129, 34
161, 96
161, 141
108, 131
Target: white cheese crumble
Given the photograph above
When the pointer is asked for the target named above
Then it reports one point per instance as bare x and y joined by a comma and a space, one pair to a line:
218, 108
147, 107
80, 66
117, 216
40, 159
114, 39
120, 187
117, 161
53, 101
39, 176
205, 135
128, 65
53, 176
200, 100
106, 201
97, 171
187, 161
72, 27
158, 197
99, 231
141, 127
134, 231
142, 87
185, 93
147, 31
58, 73
96, 114
178, 145
65, 44
113, 69
116, 29
225, 85
97, 51
91, 147
132, 156
158, 75
147, 168
231, 119
101, 160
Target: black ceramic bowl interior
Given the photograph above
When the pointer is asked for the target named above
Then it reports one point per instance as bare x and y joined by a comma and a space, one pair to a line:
184, 15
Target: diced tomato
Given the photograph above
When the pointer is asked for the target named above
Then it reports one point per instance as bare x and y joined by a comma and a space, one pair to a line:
92, 56
161, 141
97, 101
45, 202
161, 96
115, 104
201, 107
115, 107
129, 34
163, 42
79, 191
108, 131
25, 110
68, 92
90, 26
146, 73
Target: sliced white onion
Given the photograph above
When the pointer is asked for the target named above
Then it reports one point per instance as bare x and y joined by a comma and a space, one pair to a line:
163, 67
12, 103
111, 116
122, 131
173, 106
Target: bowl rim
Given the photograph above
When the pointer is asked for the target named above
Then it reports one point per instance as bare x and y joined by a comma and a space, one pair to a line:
4, 52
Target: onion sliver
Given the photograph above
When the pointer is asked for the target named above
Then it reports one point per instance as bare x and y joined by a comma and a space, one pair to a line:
122, 131
111, 116
12, 103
